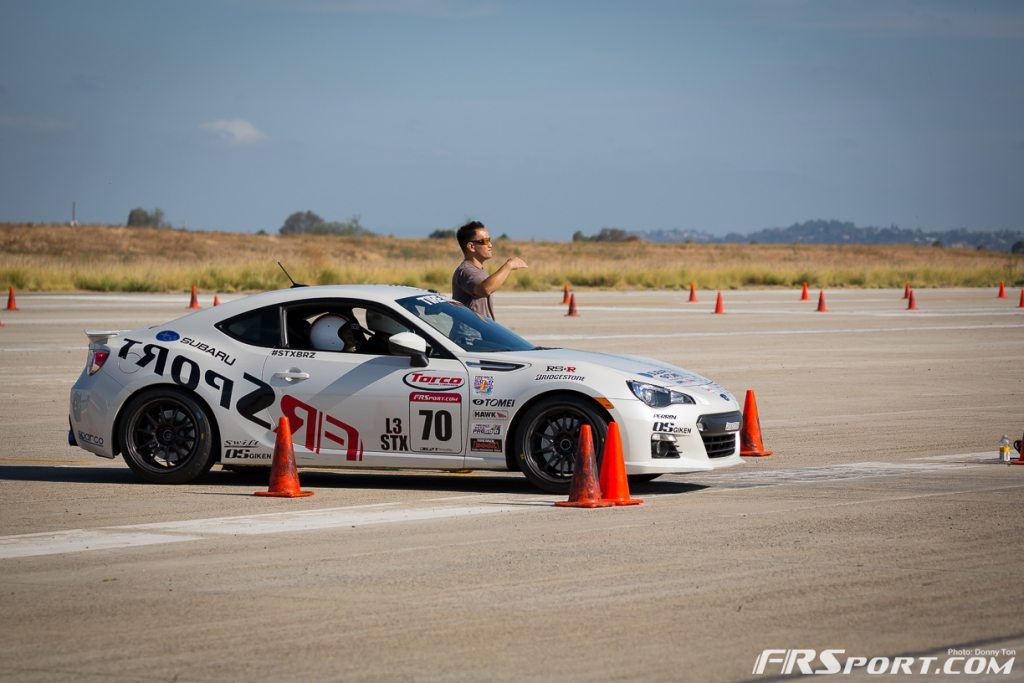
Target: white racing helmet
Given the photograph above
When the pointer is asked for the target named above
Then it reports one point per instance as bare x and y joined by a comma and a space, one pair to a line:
378, 322
326, 332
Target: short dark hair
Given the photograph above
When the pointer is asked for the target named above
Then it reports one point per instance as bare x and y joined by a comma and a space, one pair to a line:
467, 232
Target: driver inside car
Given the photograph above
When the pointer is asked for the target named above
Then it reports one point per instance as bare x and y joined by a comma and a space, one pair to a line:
335, 332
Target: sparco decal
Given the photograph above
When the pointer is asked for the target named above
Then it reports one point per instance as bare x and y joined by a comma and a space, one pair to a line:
187, 373
433, 382
316, 425
206, 348
84, 437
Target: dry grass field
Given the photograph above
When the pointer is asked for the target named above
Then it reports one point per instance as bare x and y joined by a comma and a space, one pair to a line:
109, 258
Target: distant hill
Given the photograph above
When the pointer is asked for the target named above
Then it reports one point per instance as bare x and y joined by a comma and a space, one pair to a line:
840, 232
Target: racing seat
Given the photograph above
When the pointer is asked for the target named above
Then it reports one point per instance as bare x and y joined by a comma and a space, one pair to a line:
298, 333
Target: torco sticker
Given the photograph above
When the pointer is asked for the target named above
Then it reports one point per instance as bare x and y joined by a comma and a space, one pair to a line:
428, 379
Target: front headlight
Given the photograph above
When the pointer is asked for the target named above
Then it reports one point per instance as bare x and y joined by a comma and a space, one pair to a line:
657, 397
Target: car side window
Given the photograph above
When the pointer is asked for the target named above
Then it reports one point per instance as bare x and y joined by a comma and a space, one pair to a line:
261, 327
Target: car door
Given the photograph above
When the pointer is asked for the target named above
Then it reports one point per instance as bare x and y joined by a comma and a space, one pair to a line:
366, 410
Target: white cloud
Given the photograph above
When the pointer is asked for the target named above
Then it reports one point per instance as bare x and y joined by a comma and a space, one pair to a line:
234, 131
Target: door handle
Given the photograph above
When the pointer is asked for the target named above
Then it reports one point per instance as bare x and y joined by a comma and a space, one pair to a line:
291, 375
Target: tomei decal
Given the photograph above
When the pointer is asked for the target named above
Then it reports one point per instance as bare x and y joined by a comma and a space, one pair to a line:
318, 426
428, 379
187, 373
394, 437
435, 422
206, 348
495, 402
483, 384
485, 445
167, 336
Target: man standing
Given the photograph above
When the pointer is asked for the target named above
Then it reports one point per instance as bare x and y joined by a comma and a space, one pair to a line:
471, 285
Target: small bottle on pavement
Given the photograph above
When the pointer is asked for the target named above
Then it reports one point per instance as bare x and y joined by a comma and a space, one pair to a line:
1004, 449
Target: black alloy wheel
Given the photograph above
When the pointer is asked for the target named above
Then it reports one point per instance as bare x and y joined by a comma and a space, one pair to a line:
547, 441
166, 436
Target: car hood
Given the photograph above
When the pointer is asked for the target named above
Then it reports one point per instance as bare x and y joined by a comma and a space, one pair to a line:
632, 367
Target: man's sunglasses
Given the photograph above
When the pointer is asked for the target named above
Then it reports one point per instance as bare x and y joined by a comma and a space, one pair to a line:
485, 241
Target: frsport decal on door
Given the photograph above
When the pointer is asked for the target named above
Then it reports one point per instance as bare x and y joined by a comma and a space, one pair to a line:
436, 422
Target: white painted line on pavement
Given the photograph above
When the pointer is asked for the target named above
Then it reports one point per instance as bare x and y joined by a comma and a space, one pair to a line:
80, 540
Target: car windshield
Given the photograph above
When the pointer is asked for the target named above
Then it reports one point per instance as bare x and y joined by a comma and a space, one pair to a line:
462, 326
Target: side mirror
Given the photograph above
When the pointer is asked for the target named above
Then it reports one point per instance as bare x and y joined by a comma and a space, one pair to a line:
409, 344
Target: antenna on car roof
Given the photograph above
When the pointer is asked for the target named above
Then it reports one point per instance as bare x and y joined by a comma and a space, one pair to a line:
294, 283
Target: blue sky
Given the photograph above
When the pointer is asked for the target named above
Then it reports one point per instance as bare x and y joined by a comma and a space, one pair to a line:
539, 118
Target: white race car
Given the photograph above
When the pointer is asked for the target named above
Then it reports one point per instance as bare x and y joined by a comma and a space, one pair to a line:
381, 376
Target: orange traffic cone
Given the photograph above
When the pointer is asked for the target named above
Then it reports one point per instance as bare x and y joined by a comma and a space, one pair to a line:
693, 294
822, 308
912, 304
906, 291
750, 432
803, 293
614, 484
572, 306
1019, 447
195, 300
11, 304
565, 293
284, 478
1002, 291
719, 308
216, 300
585, 490
1021, 304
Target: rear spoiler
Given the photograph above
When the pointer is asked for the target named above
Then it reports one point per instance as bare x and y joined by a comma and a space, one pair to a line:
101, 336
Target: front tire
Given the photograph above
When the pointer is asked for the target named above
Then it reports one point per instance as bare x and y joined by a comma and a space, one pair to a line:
547, 440
166, 436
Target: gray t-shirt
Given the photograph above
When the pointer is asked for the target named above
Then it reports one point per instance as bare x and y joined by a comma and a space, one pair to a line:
464, 281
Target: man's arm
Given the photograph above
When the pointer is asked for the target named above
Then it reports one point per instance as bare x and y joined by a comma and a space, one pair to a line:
496, 279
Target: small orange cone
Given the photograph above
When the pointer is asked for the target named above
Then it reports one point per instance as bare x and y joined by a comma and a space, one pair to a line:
572, 306
585, 490
614, 484
822, 308
804, 296
912, 304
284, 478
1021, 304
1019, 447
216, 300
906, 291
11, 304
195, 300
693, 294
565, 293
1002, 291
750, 432
719, 308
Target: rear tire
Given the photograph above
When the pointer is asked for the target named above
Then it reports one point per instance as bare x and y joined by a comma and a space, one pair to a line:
547, 440
166, 436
